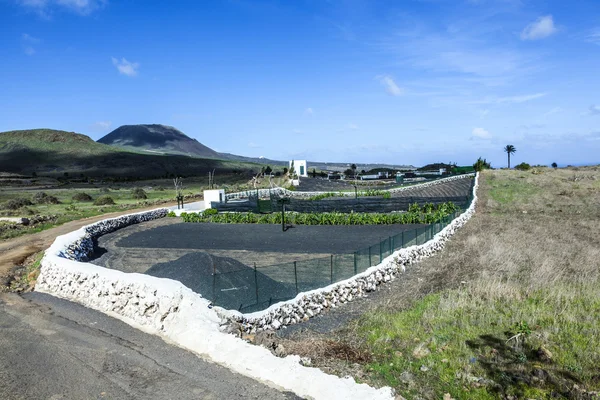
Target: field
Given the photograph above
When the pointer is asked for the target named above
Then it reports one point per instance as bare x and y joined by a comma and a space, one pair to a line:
509, 309
45, 215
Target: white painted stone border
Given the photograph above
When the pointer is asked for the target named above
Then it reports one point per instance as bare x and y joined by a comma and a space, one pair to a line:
308, 304
167, 308
290, 193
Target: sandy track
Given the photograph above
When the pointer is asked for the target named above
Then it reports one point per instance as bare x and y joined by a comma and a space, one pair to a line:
15, 251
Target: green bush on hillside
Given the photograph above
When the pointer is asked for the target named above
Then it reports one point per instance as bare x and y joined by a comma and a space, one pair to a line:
139, 193
15, 204
523, 166
43, 198
104, 201
82, 197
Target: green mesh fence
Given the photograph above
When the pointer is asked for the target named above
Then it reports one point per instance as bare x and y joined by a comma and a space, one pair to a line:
253, 289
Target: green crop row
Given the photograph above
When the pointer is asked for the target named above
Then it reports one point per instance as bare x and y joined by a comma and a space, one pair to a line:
417, 215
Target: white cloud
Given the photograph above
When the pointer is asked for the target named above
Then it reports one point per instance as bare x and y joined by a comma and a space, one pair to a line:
253, 145
542, 28
28, 42
481, 133
102, 125
555, 110
594, 110
309, 111
45, 7
125, 67
594, 36
352, 127
510, 99
389, 84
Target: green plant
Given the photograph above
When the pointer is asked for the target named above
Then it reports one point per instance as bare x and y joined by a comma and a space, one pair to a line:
82, 197
104, 201
324, 196
417, 215
523, 166
43, 198
171, 214
15, 204
138, 193
509, 149
554, 165
210, 211
481, 164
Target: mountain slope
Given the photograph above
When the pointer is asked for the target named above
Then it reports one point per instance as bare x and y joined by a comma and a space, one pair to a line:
53, 153
158, 139
52, 141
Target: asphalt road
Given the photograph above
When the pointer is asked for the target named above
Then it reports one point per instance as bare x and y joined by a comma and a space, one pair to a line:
54, 349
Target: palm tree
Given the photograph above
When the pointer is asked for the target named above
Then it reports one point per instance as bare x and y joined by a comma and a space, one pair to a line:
510, 149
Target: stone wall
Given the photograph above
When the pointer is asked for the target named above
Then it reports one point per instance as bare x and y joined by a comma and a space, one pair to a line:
303, 195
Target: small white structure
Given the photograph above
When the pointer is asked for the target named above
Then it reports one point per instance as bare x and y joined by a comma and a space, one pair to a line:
300, 167
216, 195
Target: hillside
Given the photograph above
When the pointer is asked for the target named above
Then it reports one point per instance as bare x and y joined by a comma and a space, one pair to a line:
54, 153
52, 141
158, 139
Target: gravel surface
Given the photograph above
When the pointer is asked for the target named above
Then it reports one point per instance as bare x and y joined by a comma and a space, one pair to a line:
340, 239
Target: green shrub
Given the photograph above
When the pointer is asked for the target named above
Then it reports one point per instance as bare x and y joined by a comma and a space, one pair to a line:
324, 196
15, 204
82, 197
171, 214
138, 193
43, 198
523, 166
481, 164
387, 195
104, 201
427, 215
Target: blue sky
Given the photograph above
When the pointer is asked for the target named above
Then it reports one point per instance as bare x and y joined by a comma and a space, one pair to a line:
404, 82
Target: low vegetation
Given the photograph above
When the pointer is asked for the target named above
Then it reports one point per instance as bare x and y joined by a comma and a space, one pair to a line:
104, 201
427, 214
138, 193
523, 166
82, 197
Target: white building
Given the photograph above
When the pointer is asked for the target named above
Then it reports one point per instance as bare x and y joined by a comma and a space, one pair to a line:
300, 167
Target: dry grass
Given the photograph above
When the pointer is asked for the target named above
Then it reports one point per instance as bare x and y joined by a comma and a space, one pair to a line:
526, 267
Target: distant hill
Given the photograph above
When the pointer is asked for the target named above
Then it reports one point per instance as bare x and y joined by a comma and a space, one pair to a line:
157, 139
53, 153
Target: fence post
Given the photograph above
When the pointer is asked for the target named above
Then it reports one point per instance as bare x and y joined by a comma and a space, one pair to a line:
214, 278
355, 266
331, 269
296, 277
256, 283
370, 256
430, 231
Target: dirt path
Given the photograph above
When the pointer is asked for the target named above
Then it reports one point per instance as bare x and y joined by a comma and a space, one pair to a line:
15, 251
